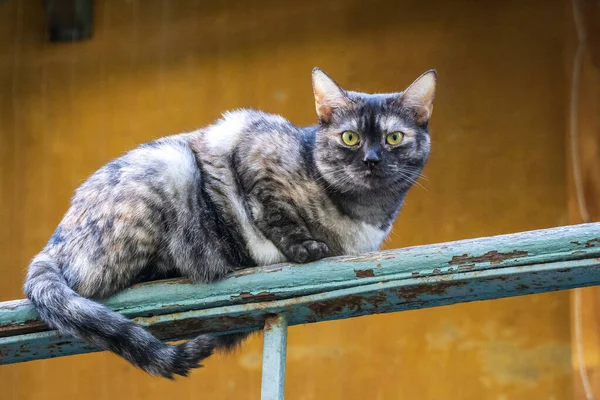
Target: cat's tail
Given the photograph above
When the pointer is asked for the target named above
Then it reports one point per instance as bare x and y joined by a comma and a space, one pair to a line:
68, 312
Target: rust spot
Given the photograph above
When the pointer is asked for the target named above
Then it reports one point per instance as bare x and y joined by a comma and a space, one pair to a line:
364, 273
415, 274
193, 326
590, 243
413, 292
272, 320
493, 257
578, 252
261, 296
522, 287
378, 265
23, 349
23, 328
467, 267
351, 302
437, 271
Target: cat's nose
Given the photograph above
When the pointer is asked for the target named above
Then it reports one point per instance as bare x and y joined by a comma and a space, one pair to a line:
371, 160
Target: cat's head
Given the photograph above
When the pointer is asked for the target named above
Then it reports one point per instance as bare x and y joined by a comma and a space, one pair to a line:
367, 142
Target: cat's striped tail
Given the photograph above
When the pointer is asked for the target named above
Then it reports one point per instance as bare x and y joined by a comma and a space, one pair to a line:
68, 312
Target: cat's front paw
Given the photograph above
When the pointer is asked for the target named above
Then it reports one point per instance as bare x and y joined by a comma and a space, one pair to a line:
307, 251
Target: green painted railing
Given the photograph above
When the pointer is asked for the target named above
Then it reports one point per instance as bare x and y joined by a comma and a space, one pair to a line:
276, 296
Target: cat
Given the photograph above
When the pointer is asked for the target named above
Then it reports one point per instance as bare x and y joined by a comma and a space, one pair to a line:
251, 189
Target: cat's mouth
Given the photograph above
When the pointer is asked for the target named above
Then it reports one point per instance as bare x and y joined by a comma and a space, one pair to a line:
373, 179
374, 174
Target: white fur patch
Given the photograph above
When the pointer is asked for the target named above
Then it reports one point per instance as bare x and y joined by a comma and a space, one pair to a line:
180, 168
356, 237
222, 137
178, 165
360, 237
262, 250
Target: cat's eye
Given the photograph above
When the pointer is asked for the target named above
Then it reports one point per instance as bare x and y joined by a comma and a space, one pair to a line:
394, 138
350, 138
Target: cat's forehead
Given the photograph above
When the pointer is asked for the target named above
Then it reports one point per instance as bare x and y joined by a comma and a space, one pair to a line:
373, 112
375, 106
374, 100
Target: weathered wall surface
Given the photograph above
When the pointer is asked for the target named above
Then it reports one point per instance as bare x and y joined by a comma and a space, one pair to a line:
160, 67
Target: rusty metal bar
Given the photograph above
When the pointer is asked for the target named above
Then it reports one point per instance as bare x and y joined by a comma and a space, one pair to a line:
335, 288
274, 352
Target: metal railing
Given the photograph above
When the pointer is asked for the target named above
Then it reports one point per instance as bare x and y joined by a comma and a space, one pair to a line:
276, 296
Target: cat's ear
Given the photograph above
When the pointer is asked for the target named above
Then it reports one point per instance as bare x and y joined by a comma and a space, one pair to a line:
419, 96
328, 95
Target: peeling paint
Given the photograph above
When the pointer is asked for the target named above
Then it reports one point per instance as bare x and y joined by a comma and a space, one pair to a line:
493, 257
186, 327
253, 271
13, 305
261, 296
368, 257
172, 281
590, 243
352, 302
13, 329
415, 292
522, 287
364, 273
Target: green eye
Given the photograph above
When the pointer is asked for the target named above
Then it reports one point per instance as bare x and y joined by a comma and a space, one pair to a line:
394, 138
350, 138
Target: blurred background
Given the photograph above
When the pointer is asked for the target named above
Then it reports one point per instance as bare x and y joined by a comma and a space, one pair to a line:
501, 162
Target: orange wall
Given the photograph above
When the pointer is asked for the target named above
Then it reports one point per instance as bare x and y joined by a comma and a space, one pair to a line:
160, 67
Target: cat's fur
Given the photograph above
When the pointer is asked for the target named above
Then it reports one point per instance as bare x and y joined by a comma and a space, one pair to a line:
252, 189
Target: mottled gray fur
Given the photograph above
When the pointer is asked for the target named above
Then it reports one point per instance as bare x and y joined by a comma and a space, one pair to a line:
251, 189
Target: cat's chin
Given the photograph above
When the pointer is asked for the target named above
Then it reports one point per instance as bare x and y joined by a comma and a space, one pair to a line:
371, 180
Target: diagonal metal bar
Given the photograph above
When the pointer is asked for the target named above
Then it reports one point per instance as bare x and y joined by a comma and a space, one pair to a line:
335, 288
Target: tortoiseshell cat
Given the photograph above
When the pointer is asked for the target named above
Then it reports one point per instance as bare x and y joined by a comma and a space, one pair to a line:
251, 189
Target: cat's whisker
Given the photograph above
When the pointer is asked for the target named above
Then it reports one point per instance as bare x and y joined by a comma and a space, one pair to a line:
412, 180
